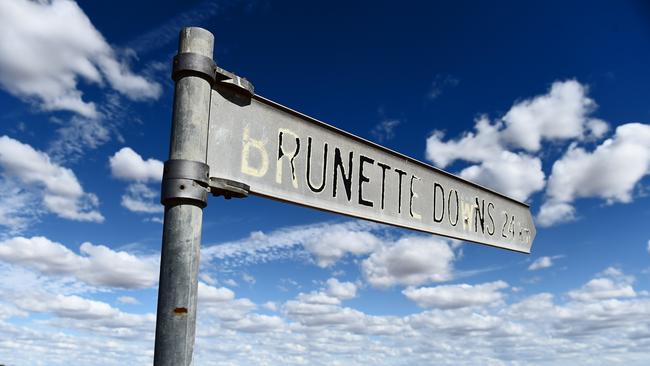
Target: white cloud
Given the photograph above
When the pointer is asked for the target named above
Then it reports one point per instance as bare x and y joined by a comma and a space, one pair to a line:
156, 219
19, 208
74, 307
385, 130
230, 282
333, 244
410, 261
596, 128
475, 147
602, 288
59, 298
128, 165
257, 323
457, 296
228, 311
625, 157
553, 212
540, 263
320, 298
77, 134
62, 193
140, 198
515, 175
319, 309
315, 329
47, 46
611, 284
248, 278
579, 173
39, 253
561, 114
95, 265
128, 300
117, 268
207, 293
270, 305
341, 290
285, 243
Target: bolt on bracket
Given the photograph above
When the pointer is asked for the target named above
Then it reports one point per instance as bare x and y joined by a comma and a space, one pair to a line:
228, 188
193, 64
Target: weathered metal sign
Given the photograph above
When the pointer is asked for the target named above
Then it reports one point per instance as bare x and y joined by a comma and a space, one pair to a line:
285, 155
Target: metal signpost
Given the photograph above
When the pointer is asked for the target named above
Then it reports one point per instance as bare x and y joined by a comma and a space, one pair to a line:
229, 141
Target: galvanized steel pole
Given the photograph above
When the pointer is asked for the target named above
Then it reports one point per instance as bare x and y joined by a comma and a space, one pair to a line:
179, 266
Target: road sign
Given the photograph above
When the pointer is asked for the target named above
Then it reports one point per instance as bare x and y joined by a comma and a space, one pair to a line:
282, 154
257, 146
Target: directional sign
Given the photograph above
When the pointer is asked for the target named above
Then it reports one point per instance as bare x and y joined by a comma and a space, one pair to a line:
285, 155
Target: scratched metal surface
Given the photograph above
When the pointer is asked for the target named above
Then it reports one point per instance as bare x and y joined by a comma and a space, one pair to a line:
244, 145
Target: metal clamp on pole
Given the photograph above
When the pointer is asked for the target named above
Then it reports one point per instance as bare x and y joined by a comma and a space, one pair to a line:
194, 64
185, 182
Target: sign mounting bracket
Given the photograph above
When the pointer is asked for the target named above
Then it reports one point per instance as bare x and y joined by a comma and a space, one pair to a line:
228, 188
194, 64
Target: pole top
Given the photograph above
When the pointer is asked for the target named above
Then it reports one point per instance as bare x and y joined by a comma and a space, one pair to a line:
196, 40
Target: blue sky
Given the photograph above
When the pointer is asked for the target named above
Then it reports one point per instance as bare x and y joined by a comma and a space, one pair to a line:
545, 102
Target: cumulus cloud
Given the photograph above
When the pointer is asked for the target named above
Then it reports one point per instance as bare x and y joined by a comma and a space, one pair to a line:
485, 327
257, 323
611, 284
625, 157
563, 113
341, 290
61, 299
207, 293
319, 309
74, 307
46, 47
410, 261
130, 300
140, 198
602, 288
457, 296
60, 191
540, 263
579, 173
553, 212
128, 165
287, 243
95, 265
596, 128
332, 245
472, 146
516, 175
